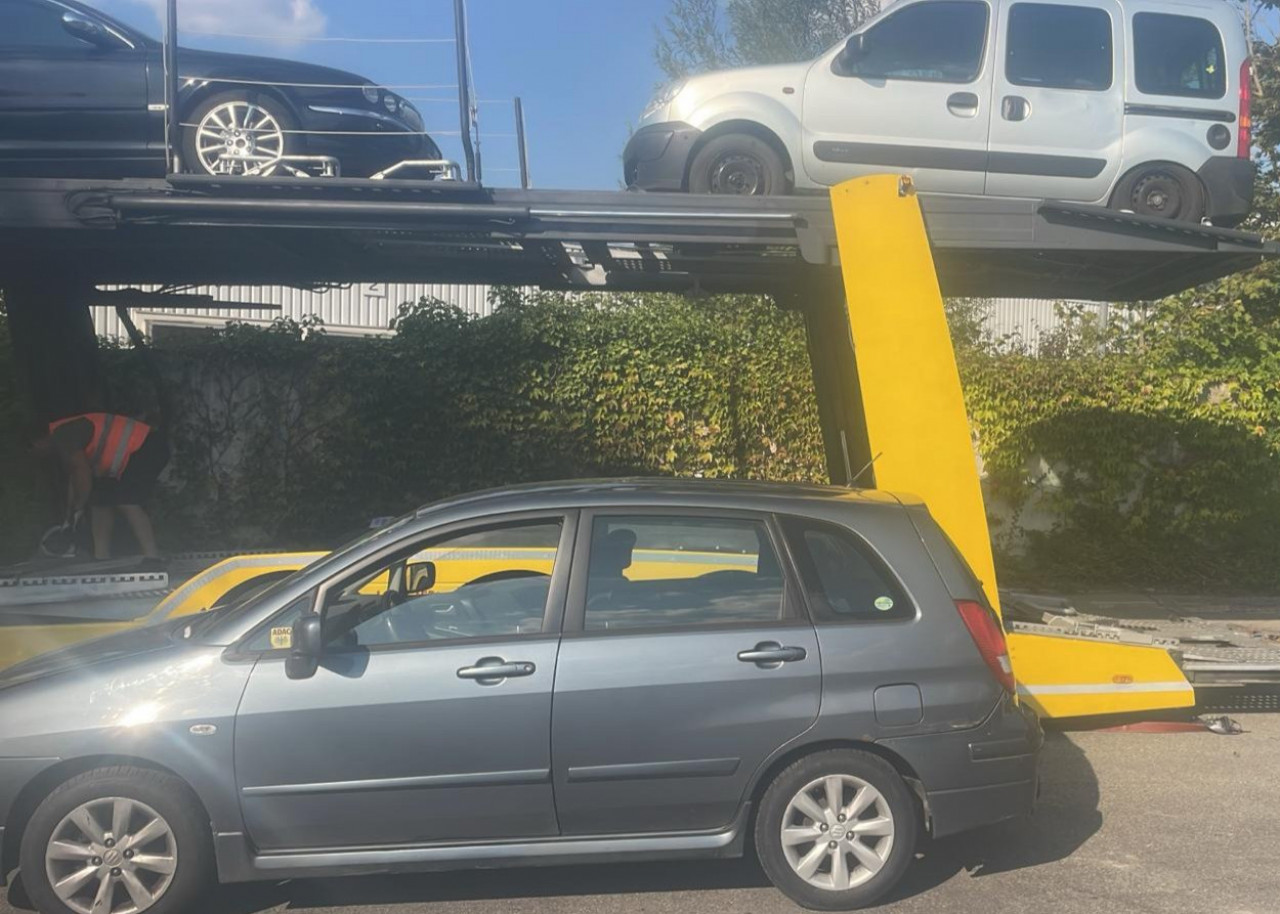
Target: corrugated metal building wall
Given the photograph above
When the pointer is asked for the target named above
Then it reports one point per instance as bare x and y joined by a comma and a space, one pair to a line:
368, 308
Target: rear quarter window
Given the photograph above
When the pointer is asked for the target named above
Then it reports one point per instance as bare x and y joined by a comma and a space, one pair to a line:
1178, 55
844, 579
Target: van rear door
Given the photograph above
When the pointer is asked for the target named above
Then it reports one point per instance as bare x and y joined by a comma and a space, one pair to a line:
1057, 114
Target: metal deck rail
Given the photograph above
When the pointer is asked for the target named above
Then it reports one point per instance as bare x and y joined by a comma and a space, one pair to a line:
198, 230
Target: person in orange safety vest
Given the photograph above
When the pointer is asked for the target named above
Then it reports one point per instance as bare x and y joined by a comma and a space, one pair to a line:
112, 463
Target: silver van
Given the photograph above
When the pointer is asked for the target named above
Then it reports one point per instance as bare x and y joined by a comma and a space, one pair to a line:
1140, 105
576, 672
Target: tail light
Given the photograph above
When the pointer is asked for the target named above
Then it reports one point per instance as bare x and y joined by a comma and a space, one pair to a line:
1244, 146
988, 635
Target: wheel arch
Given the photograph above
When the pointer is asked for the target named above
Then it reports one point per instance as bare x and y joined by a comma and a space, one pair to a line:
34, 792
1124, 176
750, 128
205, 90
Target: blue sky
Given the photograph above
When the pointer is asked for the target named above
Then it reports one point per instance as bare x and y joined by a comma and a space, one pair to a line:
584, 68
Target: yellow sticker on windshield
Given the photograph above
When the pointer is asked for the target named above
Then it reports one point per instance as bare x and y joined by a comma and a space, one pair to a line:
281, 638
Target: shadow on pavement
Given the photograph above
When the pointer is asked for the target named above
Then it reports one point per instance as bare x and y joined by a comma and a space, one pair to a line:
1066, 817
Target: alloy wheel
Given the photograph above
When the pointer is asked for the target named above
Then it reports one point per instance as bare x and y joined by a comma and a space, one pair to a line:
837, 832
239, 138
111, 855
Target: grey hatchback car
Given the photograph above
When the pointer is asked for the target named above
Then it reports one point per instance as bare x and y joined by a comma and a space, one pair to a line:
636, 669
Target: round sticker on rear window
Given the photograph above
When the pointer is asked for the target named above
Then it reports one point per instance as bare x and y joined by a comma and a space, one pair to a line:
884, 604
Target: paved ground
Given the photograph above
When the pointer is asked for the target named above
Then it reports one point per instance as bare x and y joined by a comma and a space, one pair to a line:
1128, 824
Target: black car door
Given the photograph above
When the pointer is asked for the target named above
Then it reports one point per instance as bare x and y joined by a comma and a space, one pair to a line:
73, 95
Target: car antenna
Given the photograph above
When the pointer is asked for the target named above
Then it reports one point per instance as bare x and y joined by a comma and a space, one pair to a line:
853, 479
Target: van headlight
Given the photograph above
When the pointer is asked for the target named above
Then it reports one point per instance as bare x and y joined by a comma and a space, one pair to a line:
665, 96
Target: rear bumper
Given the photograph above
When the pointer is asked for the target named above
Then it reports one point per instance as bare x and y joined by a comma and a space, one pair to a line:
1228, 182
657, 156
980, 776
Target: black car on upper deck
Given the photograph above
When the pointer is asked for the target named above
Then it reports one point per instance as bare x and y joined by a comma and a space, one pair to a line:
82, 95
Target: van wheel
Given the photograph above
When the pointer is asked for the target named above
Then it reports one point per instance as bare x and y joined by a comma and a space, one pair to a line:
1165, 191
836, 830
738, 163
117, 840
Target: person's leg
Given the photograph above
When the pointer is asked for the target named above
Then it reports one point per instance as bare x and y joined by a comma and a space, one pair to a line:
143, 532
101, 519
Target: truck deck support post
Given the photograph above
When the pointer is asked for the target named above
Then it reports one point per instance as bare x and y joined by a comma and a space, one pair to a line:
172, 124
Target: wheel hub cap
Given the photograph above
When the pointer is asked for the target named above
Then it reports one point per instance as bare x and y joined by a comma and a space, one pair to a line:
837, 832
238, 138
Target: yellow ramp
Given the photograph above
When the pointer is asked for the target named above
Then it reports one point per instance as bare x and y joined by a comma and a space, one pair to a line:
917, 432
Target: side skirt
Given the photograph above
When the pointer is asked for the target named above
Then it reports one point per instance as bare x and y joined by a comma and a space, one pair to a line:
238, 862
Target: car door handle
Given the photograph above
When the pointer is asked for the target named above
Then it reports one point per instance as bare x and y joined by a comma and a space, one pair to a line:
963, 104
1015, 108
771, 653
491, 670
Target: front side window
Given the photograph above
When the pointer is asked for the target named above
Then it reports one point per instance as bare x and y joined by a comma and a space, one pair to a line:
932, 42
842, 577
1178, 55
30, 24
660, 571
481, 583
1059, 47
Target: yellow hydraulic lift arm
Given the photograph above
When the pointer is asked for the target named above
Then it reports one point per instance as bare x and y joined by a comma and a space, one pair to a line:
894, 418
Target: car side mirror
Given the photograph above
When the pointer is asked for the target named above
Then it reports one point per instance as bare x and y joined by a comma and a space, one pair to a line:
308, 645
87, 30
854, 50
421, 577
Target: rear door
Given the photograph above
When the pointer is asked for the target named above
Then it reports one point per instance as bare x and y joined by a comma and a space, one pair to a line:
916, 100
1057, 121
68, 107
686, 662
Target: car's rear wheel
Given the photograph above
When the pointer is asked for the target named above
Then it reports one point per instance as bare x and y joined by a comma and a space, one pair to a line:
836, 830
1162, 190
740, 164
238, 133
117, 841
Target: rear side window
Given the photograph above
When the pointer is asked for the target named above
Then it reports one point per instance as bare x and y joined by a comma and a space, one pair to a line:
843, 578
1178, 55
932, 42
1059, 47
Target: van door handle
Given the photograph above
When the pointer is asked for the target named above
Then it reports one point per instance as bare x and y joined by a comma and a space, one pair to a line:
1015, 108
492, 670
963, 104
771, 654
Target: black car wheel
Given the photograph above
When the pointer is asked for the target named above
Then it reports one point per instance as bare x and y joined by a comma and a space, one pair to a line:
117, 841
738, 163
836, 830
238, 133
1162, 190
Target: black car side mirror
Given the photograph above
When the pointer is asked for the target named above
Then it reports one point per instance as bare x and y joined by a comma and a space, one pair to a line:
854, 50
308, 645
88, 31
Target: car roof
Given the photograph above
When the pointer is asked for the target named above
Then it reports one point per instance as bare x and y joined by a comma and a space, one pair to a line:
657, 491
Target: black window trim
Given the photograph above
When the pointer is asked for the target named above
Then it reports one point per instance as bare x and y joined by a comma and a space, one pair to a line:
1222, 53
552, 617
874, 557
793, 612
871, 26
1008, 44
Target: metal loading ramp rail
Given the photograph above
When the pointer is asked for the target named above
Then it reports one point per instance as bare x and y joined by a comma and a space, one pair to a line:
208, 231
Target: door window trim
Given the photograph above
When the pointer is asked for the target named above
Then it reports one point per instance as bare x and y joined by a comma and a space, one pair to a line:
553, 613
892, 13
793, 610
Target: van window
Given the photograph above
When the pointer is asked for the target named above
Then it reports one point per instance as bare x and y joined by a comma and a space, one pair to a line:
1178, 55
1059, 47
931, 42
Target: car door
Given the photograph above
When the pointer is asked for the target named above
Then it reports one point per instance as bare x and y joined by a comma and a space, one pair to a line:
910, 93
428, 718
69, 107
686, 662
1058, 109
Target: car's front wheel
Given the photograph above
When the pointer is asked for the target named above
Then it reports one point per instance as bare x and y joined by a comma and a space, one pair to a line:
238, 133
836, 829
117, 841
740, 164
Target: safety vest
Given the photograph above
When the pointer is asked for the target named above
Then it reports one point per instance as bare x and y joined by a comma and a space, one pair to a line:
115, 440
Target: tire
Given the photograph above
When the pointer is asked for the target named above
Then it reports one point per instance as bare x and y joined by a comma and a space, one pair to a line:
271, 139
1162, 190
186, 847
740, 164
891, 845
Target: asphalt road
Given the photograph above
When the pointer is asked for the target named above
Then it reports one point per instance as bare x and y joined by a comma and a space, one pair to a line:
1128, 823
